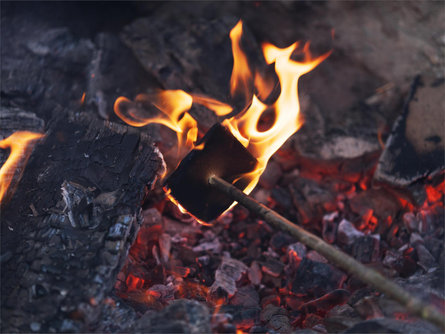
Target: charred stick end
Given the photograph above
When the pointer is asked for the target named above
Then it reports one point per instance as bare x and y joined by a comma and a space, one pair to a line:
222, 155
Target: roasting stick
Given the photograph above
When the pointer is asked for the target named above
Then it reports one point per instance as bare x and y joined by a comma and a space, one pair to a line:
336, 256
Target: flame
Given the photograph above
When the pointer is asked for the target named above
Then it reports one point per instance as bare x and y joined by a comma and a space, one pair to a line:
262, 144
82, 99
220, 108
181, 208
264, 86
174, 105
286, 109
20, 144
241, 73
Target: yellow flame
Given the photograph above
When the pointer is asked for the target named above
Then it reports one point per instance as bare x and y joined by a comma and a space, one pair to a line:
220, 108
241, 74
20, 145
174, 105
262, 144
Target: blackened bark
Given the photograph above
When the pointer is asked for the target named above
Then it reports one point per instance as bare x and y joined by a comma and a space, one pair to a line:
15, 119
415, 149
69, 226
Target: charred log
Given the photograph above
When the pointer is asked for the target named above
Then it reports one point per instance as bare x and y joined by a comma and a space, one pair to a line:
13, 119
415, 149
68, 228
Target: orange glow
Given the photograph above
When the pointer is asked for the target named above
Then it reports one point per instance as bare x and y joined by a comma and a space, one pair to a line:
190, 289
380, 138
20, 144
82, 99
405, 204
433, 194
134, 283
434, 201
218, 303
241, 74
262, 144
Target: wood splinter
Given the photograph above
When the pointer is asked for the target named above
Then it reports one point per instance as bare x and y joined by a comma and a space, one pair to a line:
367, 275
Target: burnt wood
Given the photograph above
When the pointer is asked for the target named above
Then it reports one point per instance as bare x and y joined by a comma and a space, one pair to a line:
15, 119
223, 156
415, 149
68, 228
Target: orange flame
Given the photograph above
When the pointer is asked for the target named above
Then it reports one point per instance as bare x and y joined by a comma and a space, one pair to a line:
82, 99
20, 145
175, 104
263, 144
181, 208
220, 109
241, 74
172, 103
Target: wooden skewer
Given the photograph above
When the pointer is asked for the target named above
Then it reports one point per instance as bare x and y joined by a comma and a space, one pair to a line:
367, 275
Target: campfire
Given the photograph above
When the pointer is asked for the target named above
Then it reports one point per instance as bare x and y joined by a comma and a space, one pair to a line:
284, 120
195, 209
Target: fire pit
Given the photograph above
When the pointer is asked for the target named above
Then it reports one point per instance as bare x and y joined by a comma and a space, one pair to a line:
108, 222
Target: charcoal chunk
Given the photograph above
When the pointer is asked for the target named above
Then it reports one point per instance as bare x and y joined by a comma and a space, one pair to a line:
272, 267
181, 316
242, 316
392, 326
246, 296
281, 240
276, 318
326, 302
366, 249
347, 233
227, 275
340, 318
316, 278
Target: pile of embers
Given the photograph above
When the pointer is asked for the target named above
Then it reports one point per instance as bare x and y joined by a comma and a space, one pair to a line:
247, 277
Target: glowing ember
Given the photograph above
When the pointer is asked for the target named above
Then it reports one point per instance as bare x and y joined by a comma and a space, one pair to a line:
280, 277
20, 143
82, 99
175, 104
